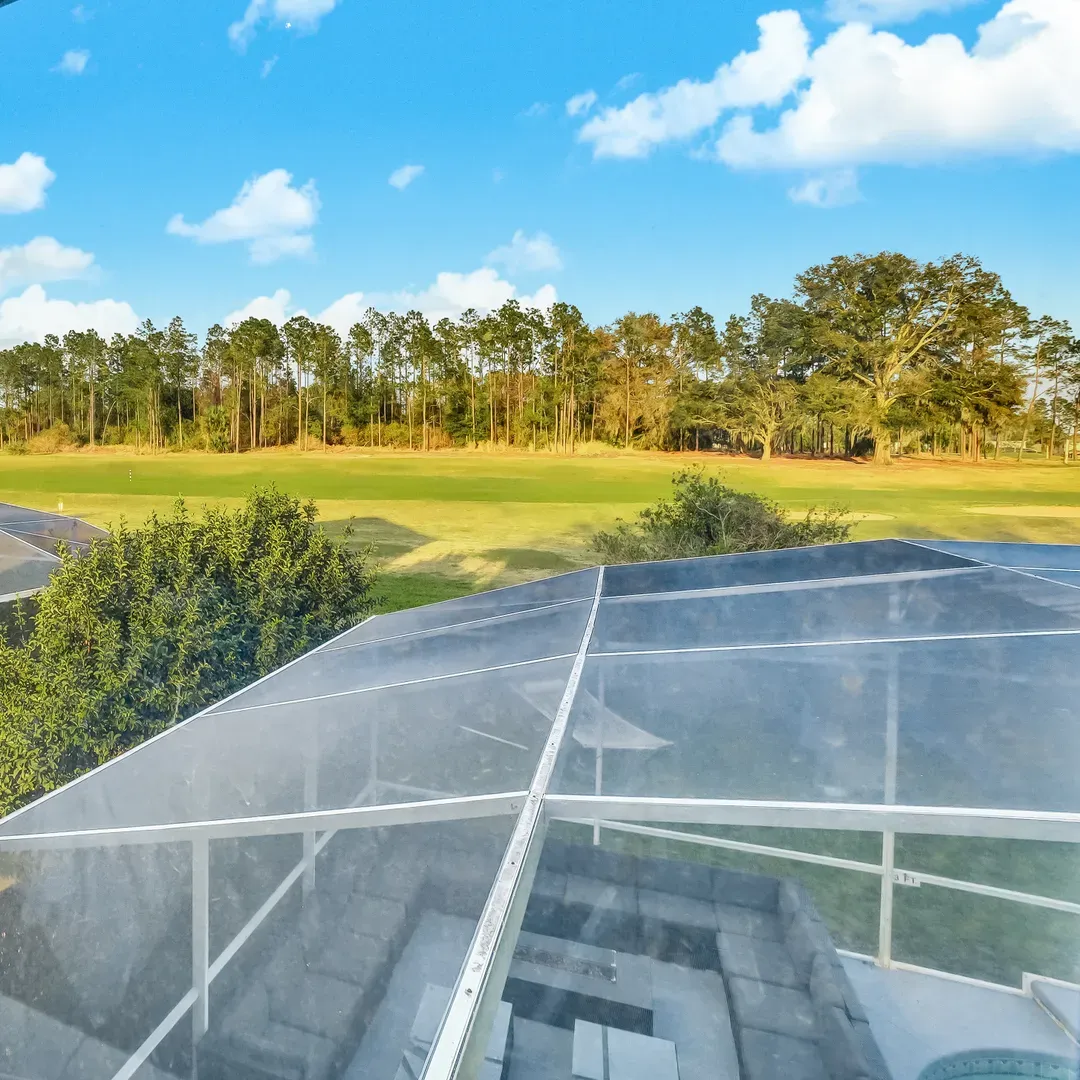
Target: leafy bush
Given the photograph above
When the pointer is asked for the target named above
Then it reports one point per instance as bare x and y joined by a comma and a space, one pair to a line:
52, 440
157, 622
216, 426
706, 517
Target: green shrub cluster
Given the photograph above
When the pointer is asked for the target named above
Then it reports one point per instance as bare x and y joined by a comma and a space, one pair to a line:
706, 517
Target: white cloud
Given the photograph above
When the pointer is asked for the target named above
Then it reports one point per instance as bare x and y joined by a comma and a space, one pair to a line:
403, 177
267, 66
269, 213
32, 315
871, 97
866, 96
275, 308
452, 293
301, 15
73, 62
839, 188
80, 14
537, 108
41, 259
581, 103
888, 11
343, 313
527, 253
23, 184
448, 296
762, 77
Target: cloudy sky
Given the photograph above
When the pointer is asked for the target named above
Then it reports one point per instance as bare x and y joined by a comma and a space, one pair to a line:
211, 159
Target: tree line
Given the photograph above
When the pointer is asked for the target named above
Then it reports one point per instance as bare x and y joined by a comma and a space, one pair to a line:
869, 354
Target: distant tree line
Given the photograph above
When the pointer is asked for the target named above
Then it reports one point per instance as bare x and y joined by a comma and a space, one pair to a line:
870, 354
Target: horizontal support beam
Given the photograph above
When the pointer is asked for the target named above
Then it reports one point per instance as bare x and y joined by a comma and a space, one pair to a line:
354, 817
465, 625
768, 646
733, 845
848, 817
394, 685
798, 585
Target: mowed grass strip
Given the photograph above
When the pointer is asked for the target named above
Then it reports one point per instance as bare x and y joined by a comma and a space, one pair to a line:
479, 520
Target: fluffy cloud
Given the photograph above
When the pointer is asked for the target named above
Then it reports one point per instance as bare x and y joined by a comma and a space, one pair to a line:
762, 77
580, 104
888, 11
301, 15
866, 96
269, 213
73, 62
275, 308
403, 177
41, 259
452, 293
267, 66
838, 188
345, 312
527, 253
23, 184
448, 296
32, 315
871, 97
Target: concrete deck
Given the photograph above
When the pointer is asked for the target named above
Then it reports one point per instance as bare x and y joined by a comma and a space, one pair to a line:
919, 1018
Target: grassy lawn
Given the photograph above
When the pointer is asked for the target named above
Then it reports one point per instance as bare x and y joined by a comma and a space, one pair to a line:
451, 522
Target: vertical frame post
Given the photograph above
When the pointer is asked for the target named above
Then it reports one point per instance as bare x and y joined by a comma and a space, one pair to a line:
200, 938
373, 753
888, 836
311, 802
599, 774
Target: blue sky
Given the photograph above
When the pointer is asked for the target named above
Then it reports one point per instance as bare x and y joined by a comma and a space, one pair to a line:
128, 129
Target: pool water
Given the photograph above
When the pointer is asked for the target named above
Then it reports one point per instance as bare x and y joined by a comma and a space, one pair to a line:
1001, 1065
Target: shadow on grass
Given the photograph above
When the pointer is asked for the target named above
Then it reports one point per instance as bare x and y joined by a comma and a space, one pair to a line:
388, 538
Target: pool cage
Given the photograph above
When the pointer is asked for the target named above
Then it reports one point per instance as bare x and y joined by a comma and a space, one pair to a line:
28, 546
893, 721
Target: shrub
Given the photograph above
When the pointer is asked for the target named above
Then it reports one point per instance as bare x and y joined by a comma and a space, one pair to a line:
52, 440
215, 421
706, 517
155, 623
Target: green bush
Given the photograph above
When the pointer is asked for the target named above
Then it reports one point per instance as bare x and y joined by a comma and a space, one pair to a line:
216, 428
706, 517
155, 623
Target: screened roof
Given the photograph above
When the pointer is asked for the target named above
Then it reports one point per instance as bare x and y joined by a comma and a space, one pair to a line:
885, 675
28, 540
757, 676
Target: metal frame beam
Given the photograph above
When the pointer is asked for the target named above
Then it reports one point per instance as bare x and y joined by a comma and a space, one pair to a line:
848, 817
457, 808
489, 953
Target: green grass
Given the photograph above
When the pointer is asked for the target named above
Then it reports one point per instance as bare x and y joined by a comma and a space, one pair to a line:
490, 519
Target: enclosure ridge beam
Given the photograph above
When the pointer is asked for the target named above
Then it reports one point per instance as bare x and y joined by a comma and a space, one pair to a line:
394, 685
456, 626
931, 820
488, 957
795, 585
773, 645
457, 808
